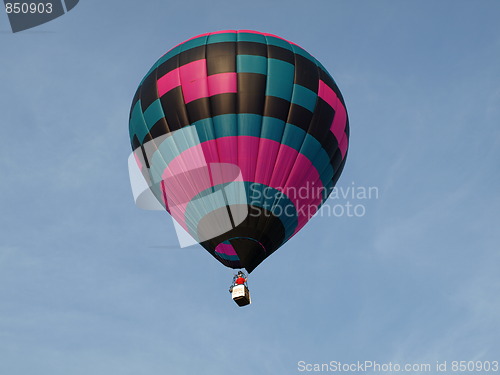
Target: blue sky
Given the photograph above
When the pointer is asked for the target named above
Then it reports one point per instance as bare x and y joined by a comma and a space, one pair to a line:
85, 287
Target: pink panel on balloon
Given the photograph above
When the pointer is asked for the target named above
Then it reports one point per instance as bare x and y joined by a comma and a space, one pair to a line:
195, 82
264, 171
188, 175
248, 149
222, 83
340, 118
168, 82
302, 175
225, 249
189, 76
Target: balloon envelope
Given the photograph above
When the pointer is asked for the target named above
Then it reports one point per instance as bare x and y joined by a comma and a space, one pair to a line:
241, 136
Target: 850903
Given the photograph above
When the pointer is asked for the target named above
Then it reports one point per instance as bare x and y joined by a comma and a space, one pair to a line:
474, 366
28, 8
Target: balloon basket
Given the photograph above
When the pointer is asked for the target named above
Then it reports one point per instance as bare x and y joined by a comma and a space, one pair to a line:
241, 295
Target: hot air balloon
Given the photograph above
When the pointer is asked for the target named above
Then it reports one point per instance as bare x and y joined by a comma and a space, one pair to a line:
241, 136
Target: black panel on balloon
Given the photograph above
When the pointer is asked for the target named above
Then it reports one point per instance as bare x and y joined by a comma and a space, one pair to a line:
256, 226
199, 109
149, 93
252, 48
223, 104
279, 53
306, 73
221, 58
193, 54
299, 116
251, 93
174, 109
277, 108
159, 128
